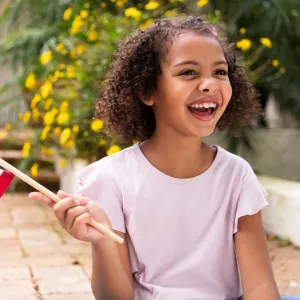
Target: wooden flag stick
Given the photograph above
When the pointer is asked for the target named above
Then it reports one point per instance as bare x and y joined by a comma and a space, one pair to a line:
55, 198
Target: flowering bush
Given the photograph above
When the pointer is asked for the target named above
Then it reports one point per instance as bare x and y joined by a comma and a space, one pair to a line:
62, 86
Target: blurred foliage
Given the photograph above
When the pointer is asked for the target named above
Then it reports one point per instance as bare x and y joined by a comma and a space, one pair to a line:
60, 51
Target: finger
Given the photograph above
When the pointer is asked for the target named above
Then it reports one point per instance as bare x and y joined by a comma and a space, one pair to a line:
61, 194
82, 200
95, 209
73, 213
61, 207
41, 197
79, 230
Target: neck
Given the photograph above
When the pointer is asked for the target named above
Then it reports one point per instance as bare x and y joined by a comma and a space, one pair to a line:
177, 156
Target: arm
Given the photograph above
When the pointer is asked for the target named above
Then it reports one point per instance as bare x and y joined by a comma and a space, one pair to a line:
111, 273
257, 277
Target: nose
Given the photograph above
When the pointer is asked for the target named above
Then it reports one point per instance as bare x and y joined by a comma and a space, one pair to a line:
208, 85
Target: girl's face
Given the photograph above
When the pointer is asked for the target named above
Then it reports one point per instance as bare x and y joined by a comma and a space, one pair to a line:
193, 89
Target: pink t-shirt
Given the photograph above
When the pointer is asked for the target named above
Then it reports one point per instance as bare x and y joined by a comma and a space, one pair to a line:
179, 231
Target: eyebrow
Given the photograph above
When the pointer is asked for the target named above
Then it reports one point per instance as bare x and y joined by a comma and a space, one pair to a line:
191, 62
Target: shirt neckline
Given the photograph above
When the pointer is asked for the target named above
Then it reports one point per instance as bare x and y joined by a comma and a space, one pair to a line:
163, 176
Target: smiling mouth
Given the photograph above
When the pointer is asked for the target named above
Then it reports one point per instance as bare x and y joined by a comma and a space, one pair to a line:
202, 110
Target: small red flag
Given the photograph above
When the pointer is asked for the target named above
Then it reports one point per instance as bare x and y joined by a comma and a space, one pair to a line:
5, 179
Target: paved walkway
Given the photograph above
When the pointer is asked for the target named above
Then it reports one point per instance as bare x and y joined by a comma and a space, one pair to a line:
39, 261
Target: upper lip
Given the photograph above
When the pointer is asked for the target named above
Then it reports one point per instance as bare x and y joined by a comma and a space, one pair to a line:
202, 100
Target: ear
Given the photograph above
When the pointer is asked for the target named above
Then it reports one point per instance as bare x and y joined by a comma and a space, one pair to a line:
148, 101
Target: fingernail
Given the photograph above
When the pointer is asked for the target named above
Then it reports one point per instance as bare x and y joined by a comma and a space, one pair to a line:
77, 202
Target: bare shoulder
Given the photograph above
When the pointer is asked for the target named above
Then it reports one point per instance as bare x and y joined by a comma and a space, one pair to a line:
255, 266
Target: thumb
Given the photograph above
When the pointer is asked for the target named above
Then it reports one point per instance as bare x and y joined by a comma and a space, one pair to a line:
62, 194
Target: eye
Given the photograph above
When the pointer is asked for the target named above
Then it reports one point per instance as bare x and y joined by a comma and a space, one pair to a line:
189, 72
221, 72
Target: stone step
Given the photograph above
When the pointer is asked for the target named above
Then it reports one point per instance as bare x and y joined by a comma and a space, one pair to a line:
17, 154
48, 179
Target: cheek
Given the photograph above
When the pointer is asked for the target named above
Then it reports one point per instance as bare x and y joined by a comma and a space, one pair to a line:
226, 91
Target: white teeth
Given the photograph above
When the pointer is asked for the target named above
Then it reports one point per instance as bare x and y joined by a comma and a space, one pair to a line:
206, 105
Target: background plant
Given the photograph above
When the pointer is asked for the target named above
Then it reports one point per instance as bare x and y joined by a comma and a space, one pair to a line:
60, 56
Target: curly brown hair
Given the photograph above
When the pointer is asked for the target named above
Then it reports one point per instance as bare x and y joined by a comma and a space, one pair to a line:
133, 74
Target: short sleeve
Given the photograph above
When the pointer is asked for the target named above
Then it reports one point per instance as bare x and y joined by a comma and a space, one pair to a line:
98, 185
252, 198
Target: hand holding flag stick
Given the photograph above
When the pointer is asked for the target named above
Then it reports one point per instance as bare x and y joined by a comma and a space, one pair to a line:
55, 198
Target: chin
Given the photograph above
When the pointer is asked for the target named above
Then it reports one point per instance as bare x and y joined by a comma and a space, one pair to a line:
204, 132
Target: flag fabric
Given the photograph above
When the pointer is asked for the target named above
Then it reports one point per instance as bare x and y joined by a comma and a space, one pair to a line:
5, 180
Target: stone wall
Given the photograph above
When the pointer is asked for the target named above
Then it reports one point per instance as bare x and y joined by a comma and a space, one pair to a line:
277, 152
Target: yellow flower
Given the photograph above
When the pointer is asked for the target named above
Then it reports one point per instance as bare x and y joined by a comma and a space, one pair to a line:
202, 2
8, 126
26, 117
30, 82
146, 24
97, 125
35, 114
73, 53
266, 42
26, 149
113, 149
46, 57
48, 103
48, 118
75, 129
34, 170
46, 151
64, 107
65, 135
46, 89
275, 63
63, 118
84, 14
57, 131
37, 98
92, 35
121, 3
151, 5
68, 13
3, 134
170, 13
54, 110
133, 13
80, 49
77, 24
62, 163
45, 132
102, 142
60, 47
62, 66
244, 44
71, 72
70, 144
56, 76
243, 30
103, 4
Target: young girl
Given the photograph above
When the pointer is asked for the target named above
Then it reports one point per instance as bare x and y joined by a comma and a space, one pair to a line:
189, 212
